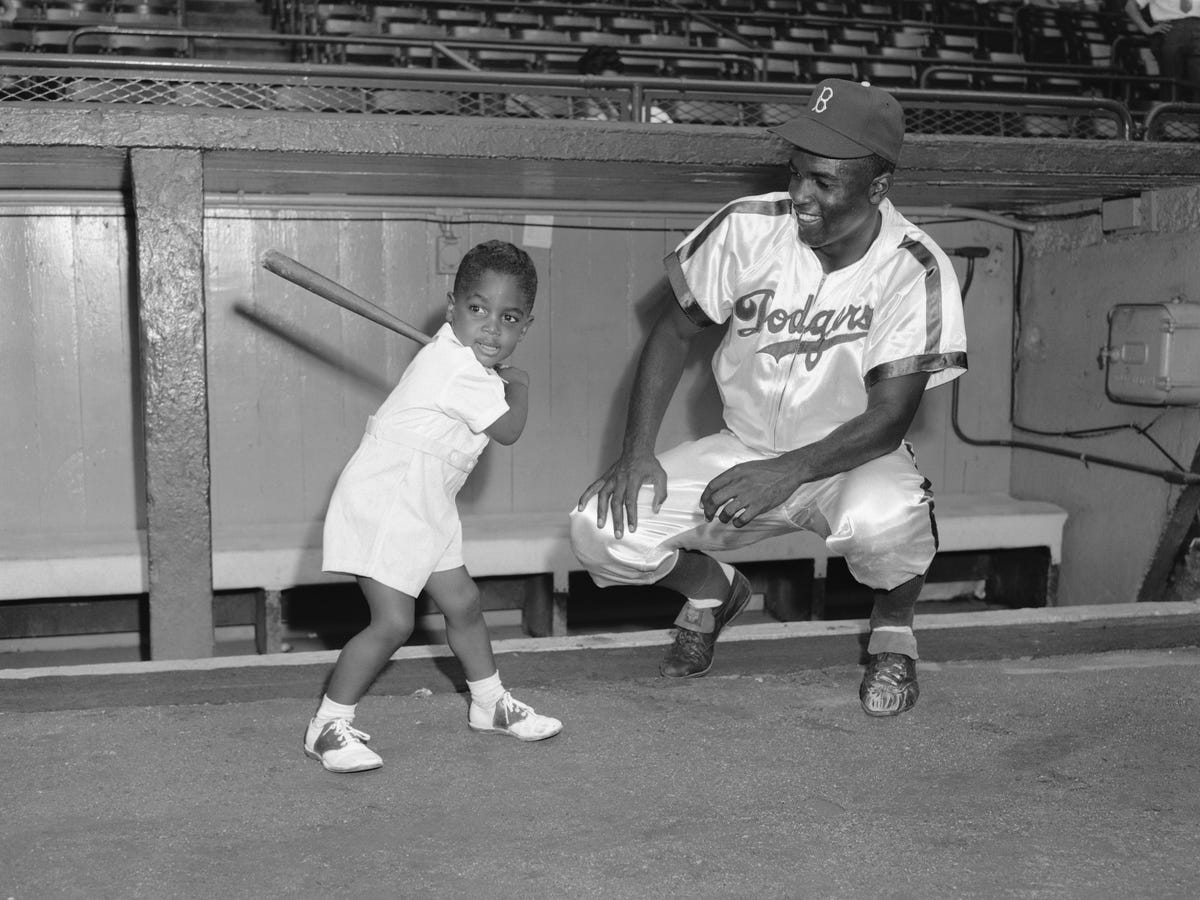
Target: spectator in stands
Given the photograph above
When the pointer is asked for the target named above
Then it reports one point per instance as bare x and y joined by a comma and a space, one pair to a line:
838, 313
607, 61
392, 519
1174, 32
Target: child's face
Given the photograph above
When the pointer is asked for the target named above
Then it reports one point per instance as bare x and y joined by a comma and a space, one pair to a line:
490, 318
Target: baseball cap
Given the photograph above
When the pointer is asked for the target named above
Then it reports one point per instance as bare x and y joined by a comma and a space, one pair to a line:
846, 120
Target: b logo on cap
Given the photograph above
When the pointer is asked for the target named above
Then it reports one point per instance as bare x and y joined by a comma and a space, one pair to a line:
822, 102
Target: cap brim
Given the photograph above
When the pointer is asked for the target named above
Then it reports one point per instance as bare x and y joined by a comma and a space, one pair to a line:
817, 138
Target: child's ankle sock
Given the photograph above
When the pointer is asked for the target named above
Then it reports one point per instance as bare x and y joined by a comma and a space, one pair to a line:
715, 592
486, 692
330, 710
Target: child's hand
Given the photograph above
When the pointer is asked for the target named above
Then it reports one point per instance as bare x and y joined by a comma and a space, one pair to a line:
513, 375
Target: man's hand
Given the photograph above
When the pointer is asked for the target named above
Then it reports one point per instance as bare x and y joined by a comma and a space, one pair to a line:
617, 490
749, 489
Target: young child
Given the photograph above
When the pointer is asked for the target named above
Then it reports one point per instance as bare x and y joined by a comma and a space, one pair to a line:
392, 520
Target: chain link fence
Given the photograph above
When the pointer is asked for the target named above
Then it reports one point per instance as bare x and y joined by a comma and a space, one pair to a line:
372, 90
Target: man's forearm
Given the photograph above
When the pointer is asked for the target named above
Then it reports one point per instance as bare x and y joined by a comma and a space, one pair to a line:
659, 370
864, 438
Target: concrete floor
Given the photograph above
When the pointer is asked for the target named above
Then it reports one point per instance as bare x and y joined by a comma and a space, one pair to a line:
1058, 777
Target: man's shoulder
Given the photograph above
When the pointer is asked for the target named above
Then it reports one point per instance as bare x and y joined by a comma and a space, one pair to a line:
773, 205
903, 237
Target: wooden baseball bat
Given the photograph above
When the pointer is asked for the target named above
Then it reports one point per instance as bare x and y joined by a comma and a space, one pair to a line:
298, 273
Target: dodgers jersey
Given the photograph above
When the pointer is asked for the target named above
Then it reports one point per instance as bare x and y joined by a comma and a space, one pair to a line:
803, 346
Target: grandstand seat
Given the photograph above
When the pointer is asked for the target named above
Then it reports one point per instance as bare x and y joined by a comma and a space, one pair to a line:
504, 60
384, 14
146, 45
665, 41
77, 17
629, 26
792, 48
819, 69
876, 11
1015, 82
517, 20
452, 17
906, 39
54, 40
479, 33
696, 67
144, 20
758, 34
890, 74
417, 30
866, 37
782, 69
835, 10
339, 26
554, 63
951, 80
323, 11
14, 39
592, 38
366, 54
948, 40
542, 36
574, 24
808, 33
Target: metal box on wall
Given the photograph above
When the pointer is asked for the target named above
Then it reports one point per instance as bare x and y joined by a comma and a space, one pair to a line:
1153, 354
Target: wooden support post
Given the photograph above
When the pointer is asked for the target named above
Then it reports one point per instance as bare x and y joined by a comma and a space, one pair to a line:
788, 590
168, 194
545, 610
268, 621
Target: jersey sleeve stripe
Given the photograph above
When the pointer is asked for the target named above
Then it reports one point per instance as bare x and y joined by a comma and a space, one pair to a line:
683, 294
933, 292
740, 207
926, 362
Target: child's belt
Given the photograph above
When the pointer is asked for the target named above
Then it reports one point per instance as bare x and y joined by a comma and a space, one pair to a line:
464, 462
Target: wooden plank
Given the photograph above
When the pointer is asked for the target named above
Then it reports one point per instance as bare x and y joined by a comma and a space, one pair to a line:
113, 480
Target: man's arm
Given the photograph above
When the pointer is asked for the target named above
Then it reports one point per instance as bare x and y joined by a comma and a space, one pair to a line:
659, 369
1133, 11
750, 489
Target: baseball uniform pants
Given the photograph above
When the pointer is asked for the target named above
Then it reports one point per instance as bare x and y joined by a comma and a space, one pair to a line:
879, 517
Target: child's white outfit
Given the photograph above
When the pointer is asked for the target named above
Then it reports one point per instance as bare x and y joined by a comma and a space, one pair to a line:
392, 516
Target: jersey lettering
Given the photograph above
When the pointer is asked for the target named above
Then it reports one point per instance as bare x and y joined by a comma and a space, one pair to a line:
755, 308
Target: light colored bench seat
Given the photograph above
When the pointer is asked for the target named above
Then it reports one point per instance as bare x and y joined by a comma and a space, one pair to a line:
273, 558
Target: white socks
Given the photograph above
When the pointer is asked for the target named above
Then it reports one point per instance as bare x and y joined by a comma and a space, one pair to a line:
709, 602
486, 692
329, 710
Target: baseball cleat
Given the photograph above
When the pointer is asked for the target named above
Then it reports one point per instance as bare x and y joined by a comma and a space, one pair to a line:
697, 630
889, 686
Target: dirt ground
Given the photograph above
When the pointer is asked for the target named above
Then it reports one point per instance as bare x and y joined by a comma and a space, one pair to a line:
1061, 777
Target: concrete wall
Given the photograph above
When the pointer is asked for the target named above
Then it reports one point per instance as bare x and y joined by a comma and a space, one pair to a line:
1075, 272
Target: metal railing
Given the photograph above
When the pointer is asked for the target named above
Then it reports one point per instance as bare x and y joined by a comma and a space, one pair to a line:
380, 90
1172, 122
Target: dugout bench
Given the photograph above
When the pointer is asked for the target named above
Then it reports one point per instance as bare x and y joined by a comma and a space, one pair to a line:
533, 546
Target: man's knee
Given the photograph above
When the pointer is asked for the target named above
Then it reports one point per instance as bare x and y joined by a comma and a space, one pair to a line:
609, 560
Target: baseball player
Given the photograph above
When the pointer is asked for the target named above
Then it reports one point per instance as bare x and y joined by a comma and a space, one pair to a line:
838, 314
392, 519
